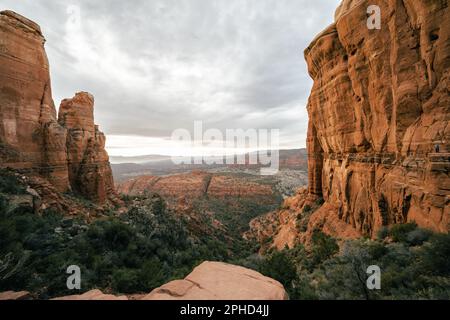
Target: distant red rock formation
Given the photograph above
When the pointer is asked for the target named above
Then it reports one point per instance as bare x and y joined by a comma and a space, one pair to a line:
196, 184
68, 152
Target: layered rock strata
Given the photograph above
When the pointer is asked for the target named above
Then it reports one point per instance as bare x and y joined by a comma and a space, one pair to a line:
379, 115
379, 111
70, 152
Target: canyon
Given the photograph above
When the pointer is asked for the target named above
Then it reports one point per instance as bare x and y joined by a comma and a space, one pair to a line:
223, 202
58, 161
377, 156
378, 135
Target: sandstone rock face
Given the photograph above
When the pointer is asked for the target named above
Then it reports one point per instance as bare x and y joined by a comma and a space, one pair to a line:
70, 152
88, 162
379, 114
30, 137
220, 281
378, 135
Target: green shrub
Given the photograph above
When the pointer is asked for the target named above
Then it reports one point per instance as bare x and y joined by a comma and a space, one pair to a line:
383, 233
280, 267
435, 255
9, 183
323, 247
399, 232
125, 281
418, 236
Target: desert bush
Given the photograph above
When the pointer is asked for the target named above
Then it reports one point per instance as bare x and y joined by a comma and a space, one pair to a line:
9, 183
399, 232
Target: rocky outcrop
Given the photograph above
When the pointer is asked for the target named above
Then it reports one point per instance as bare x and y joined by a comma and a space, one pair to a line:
279, 228
379, 111
88, 162
70, 152
379, 115
220, 281
30, 137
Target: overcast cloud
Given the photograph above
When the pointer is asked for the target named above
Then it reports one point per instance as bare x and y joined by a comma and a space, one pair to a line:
155, 66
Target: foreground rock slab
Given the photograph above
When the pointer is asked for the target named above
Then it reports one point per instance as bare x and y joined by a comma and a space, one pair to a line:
92, 295
220, 281
15, 295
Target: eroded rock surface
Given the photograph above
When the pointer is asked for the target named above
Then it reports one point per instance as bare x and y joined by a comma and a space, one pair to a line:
70, 152
88, 162
220, 281
379, 111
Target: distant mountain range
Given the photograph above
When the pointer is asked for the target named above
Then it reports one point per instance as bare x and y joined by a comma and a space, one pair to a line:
156, 165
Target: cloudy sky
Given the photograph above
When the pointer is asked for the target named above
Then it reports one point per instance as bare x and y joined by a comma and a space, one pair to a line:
158, 65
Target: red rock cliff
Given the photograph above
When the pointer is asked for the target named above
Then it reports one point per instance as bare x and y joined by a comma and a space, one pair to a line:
88, 162
70, 152
378, 136
379, 117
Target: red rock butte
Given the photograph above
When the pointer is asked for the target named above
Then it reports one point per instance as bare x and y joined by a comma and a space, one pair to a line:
69, 151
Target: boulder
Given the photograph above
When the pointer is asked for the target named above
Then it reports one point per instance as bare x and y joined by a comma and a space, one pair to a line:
220, 281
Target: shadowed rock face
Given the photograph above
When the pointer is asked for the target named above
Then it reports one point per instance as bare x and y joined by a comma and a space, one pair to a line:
379, 118
70, 152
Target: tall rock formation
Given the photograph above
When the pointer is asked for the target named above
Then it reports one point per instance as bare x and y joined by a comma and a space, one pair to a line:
379, 111
30, 137
70, 152
88, 162
379, 116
